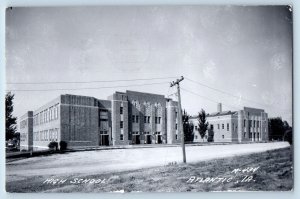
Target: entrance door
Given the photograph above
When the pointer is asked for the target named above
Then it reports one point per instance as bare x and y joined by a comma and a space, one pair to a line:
148, 139
136, 139
104, 140
158, 139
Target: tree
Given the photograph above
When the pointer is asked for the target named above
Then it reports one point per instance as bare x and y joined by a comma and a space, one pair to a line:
202, 123
288, 132
288, 136
278, 129
10, 120
187, 128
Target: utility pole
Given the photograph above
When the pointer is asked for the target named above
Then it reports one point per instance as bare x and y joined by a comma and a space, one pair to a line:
180, 116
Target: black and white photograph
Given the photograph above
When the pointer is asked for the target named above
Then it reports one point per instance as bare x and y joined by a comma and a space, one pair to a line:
149, 98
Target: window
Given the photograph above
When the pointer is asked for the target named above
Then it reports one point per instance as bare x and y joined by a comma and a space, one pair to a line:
148, 119
222, 126
121, 137
145, 119
244, 134
212, 127
133, 119
218, 126
250, 123
223, 136
56, 134
157, 120
55, 112
176, 137
137, 119
41, 135
257, 123
50, 134
258, 136
41, 117
196, 137
37, 119
45, 116
254, 123
121, 110
176, 126
250, 135
227, 126
175, 114
121, 124
50, 113
195, 127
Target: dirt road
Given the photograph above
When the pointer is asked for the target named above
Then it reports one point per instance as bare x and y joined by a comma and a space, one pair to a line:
110, 161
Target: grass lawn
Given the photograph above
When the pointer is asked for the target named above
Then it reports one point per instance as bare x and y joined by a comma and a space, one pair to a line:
267, 171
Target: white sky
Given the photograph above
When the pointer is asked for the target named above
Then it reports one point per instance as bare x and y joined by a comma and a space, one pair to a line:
245, 51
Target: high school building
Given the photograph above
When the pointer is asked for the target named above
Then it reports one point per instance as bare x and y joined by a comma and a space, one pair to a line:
124, 118
247, 125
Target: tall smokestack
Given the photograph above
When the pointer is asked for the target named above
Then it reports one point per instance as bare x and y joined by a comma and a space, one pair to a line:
219, 107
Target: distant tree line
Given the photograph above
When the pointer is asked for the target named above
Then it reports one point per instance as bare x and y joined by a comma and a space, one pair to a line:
280, 130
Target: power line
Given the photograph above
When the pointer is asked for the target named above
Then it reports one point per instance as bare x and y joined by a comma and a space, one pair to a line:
95, 81
224, 92
89, 88
207, 98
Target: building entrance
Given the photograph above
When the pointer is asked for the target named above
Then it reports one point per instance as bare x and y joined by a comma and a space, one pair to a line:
136, 139
158, 139
148, 139
104, 140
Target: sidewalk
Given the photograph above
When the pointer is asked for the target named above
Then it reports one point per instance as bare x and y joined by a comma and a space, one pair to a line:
28, 154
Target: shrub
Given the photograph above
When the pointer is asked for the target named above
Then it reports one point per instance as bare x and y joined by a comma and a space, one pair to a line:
53, 145
63, 145
288, 136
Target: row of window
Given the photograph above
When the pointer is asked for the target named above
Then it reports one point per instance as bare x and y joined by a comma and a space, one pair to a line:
46, 135
218, 126
135, 119
254, 123
252, 134
138, 133
46, 115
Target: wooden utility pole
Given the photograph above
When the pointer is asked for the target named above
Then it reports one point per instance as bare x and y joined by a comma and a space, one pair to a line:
180, 116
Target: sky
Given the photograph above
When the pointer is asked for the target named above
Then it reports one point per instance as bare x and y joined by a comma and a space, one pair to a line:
236, 55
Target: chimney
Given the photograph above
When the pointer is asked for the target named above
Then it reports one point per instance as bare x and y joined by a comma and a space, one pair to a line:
219, 107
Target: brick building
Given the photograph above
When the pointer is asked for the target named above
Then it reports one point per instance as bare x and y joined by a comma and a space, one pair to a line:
247, 125
124, 118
